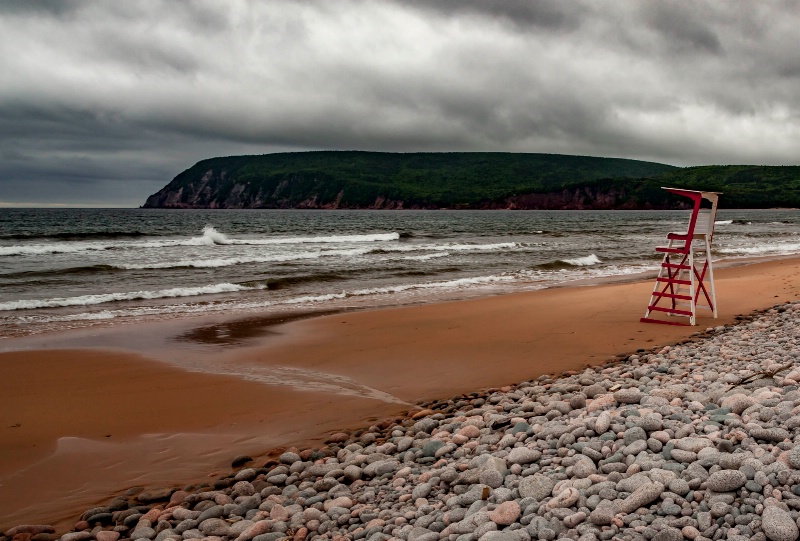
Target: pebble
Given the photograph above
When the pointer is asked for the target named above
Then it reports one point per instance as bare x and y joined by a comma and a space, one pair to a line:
505, 514
537, 487
32, 529
565, 498
669, 534
726, 480
602, 516
778, 525
794, 457
690, 441
631, 395
642, 496
603, 422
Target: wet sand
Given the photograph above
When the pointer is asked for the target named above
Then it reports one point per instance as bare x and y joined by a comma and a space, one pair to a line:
173, 404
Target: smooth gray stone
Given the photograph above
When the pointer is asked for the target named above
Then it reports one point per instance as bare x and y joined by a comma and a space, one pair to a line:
212, 512
537, 486
726, 480
778, 525
143, 533
642, 496
634, 434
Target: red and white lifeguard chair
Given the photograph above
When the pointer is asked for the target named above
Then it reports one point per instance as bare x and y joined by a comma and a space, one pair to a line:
685, 280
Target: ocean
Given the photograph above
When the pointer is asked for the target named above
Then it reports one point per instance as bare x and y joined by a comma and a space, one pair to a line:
75, 268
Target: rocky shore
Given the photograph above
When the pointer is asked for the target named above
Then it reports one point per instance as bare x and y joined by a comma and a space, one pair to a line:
693, 441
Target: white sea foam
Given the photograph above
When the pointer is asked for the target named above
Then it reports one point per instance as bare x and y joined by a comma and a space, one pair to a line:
449, 246
482, 247
723, 222
763, 249
375, 237
311, 299
525, 277
53, 248
227, 262
210, 237
444, 284
426, 257
457, 283
85, 300
583, 261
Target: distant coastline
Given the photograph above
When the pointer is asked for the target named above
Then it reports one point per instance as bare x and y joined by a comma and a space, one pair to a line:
464, 180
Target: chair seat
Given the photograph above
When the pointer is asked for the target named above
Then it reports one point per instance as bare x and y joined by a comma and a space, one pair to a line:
684, 236
672, 250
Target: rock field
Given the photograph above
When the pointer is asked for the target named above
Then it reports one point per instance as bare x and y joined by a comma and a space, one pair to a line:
694, 441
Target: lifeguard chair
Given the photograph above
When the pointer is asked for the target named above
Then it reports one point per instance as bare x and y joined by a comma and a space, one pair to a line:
685, 280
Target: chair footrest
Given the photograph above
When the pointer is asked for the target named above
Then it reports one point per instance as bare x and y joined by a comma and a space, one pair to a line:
650, 320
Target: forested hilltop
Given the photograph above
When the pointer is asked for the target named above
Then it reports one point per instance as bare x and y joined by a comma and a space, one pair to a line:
463, 180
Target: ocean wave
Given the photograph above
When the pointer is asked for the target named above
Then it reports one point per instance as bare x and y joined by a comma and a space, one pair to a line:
723, 222
88, 269
482, 247
53, 248
227, 262
86, 300
449, 246
426, 257
529, 278
373, 237
285, 282
210, 237
583, 261
444, 284
763, 249
76, 235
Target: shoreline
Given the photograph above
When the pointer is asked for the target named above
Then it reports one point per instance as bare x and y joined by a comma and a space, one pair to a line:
255, 323
357, 366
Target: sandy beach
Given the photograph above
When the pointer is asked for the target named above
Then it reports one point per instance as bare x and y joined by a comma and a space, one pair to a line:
88, 416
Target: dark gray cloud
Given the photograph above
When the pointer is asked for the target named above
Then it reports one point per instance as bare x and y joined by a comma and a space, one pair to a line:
104, 102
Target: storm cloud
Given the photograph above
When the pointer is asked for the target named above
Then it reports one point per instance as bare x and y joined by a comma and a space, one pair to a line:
102, 103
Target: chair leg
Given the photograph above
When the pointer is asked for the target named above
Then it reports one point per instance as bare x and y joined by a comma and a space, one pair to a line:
711, 278
692, 288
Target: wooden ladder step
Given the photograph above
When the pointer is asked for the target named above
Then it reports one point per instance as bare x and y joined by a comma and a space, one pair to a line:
670, 310
672, 296
675, 266
674, 281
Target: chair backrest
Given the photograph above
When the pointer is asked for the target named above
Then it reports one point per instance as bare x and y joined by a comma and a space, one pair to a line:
702, 219
707, 217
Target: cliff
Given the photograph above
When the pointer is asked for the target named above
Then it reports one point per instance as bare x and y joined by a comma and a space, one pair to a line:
375, 180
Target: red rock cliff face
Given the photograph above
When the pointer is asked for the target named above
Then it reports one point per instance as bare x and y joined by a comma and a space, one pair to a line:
215, 190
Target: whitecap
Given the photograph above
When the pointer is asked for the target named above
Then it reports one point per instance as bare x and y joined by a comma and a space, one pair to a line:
583, 261
85, 300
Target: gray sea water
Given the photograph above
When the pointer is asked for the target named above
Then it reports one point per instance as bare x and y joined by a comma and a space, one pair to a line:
68, 268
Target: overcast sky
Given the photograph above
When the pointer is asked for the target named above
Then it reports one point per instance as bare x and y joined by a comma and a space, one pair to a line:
104, 102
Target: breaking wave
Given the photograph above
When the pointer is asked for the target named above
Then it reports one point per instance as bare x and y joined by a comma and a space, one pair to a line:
583, 261
86, 300
763, 249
